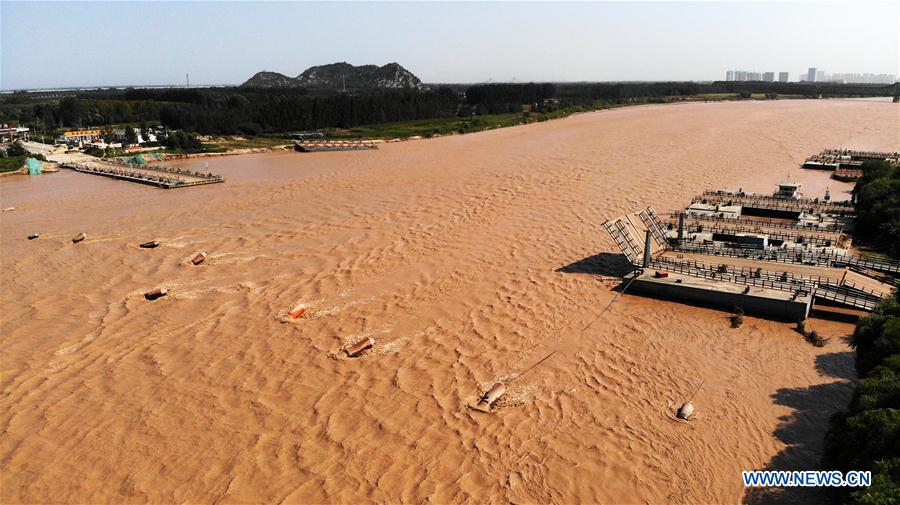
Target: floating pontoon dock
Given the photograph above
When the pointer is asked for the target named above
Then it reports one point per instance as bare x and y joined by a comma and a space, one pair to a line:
824, 256
782, 281
781, 304
847, 174
847, 164
309, 146
802, 236
765, 202
829, 226
161, 177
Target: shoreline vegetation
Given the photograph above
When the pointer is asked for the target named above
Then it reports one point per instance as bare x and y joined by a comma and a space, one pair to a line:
415, 129
211, 145
238, 119
867, 435
424, 128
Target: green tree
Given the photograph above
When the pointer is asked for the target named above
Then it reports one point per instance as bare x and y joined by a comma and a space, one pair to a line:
131, 137
16, 149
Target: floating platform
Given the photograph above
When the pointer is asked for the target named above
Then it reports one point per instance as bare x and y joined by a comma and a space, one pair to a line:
823, 257
826, 225
845, 159
776, 236
834, 285
772, 203
776, 303
333, 145
161, 177
863, 155
820, 164
773, 266
847, 174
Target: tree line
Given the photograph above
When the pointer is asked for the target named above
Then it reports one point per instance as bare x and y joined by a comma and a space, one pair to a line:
867, 436
266, 110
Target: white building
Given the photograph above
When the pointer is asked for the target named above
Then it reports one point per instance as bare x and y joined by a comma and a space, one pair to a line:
120, 135
8, 133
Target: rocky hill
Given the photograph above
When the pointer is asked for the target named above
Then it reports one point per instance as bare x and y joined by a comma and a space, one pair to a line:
270, 80
341, 76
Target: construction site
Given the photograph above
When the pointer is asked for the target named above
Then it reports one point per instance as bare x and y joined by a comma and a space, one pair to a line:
778, 256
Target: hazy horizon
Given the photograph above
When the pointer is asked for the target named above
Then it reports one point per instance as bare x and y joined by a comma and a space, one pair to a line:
100, 44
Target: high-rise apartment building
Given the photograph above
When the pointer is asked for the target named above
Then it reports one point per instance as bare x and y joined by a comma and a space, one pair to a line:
782, 77
811, 74
769, 76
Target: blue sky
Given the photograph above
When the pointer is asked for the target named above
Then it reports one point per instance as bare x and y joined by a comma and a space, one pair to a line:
50, 44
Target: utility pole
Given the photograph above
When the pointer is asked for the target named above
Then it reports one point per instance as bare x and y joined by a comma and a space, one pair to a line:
187, 80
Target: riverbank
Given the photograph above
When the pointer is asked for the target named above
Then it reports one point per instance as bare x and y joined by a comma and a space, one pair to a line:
435, 128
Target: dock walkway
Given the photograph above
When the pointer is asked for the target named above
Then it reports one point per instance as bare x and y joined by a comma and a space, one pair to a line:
774, 203
161, 177
834, 228
823, 288
799, 237
797, 256
310, 146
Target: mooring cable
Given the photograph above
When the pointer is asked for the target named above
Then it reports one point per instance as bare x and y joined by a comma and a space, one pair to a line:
580, 333
545, 358
608, 305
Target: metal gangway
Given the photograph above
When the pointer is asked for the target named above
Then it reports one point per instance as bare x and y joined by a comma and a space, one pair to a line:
624, 240
844, 295
651, 221
629, 233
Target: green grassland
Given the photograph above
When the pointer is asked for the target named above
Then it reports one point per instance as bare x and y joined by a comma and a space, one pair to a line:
12, 163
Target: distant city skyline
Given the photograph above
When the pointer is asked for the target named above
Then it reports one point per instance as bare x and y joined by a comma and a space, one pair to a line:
77, 44
812, 74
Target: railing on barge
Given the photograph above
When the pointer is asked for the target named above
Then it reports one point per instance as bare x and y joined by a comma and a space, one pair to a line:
832, 228
775, 203
174, 177
309, 146
796, 256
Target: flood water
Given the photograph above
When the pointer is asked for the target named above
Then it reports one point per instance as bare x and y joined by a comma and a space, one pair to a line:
467, 259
